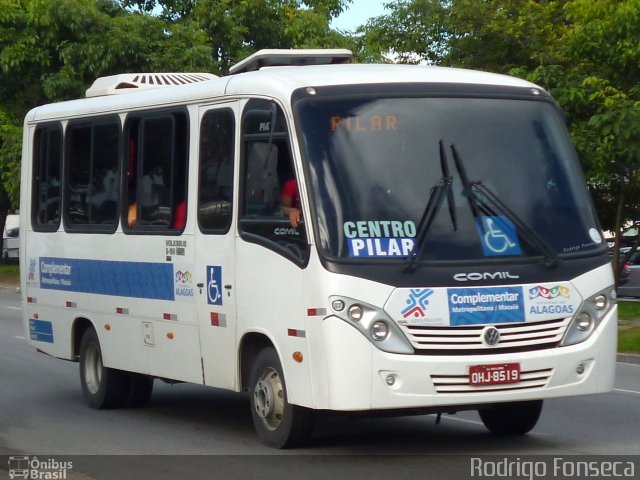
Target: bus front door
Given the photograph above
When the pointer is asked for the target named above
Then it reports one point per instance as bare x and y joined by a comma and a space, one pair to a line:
215, 245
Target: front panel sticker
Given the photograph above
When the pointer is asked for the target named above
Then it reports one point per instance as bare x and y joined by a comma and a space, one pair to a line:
497, 236
417, 302
474, 306
483, 305
555, 300
379, 238
419, 306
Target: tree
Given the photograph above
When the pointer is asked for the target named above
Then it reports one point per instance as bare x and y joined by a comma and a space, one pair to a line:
238, 29
53, 50
585, 52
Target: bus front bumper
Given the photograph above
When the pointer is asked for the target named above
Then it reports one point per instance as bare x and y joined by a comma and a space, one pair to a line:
358, 376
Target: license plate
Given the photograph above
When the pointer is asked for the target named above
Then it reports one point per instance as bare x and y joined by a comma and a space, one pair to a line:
494, 374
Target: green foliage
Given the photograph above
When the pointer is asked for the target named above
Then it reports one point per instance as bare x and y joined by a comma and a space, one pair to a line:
494, 35
237, 29
585, 52
52, 50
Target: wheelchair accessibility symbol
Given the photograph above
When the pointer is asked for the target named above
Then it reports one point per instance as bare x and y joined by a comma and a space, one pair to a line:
498, 236
214, 285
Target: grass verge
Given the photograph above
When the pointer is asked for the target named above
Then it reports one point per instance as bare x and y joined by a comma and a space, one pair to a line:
628, 327
9, 273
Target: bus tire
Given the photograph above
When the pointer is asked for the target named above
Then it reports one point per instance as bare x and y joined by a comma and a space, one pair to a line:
515, 418
102, 387
140, 388
278, 423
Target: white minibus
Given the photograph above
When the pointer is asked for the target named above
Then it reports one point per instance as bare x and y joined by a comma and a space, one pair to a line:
326, 236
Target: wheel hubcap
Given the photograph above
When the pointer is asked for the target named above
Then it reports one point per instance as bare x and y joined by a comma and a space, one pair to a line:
268, 398
93, 368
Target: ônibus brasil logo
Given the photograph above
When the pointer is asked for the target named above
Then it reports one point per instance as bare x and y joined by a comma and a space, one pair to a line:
35, 468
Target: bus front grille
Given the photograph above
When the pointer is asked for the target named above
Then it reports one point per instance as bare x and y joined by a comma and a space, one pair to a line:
460, 383
454, 340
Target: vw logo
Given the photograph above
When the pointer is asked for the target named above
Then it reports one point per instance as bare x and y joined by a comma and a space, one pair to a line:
491, 336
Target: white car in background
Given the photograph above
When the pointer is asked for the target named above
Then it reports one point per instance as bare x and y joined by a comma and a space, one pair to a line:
10, 238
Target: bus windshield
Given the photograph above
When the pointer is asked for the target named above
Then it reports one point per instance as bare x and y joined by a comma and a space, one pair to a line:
444, 179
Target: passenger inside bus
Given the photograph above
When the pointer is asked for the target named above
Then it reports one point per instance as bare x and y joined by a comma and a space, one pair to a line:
290, 200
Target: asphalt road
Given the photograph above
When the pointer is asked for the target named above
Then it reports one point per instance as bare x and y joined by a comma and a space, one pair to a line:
189, 431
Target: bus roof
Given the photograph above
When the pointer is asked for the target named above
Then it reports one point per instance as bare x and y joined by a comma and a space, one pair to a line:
276, 82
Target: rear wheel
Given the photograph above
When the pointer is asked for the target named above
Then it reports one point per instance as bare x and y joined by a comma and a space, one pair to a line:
278, 423
102, 387
515, 418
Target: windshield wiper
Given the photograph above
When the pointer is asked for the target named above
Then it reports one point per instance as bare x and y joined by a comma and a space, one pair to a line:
444, 165
437, 196
483, 199
439, 192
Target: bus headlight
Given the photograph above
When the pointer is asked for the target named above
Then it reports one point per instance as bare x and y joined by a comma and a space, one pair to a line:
589, 316
373, 323
584, 322
355, 313
379, 330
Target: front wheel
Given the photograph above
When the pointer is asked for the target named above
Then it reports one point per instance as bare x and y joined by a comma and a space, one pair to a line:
515, 418
278, 423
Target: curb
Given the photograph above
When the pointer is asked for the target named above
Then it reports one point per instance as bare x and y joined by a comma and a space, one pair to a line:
628, 358
10, 288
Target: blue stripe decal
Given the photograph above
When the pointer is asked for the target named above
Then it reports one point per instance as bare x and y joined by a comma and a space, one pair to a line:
103, 277
41, 330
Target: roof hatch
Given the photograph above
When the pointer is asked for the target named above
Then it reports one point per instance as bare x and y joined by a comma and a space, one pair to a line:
299, 57
129, 82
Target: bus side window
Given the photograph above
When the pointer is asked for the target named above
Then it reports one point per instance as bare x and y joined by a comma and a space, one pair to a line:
215, 184
93, 179
261, 180
47, 180
267, 164
156, 149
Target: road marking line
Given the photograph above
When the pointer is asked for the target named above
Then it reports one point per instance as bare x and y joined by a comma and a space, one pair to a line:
14, 308
463, 420
621, 390
18, 337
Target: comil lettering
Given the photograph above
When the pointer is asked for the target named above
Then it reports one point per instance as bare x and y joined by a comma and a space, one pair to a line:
467, 277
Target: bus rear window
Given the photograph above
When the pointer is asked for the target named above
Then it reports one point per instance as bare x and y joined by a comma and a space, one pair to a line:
47, 168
